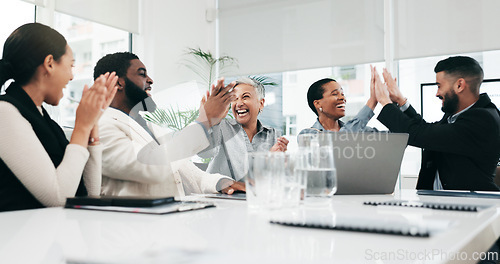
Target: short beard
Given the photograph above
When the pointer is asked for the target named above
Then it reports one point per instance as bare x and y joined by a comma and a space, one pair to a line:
134, 93
450, 103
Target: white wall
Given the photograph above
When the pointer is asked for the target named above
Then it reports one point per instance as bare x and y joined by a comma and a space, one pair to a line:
168, 28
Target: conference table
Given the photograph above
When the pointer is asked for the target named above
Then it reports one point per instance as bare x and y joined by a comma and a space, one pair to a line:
230, 233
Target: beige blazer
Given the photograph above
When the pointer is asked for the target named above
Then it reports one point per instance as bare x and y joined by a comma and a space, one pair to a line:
135, 164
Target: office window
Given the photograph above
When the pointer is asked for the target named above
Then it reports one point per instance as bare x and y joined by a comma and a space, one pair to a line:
347, 73
290, 126
289, 78
89, 42
112, 46
13, 14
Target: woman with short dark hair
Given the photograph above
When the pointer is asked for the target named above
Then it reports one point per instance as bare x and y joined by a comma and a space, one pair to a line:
38, 166
327, 100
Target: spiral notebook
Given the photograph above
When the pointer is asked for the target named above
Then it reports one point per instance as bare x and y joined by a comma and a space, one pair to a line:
402, 231
429, 205
374, 223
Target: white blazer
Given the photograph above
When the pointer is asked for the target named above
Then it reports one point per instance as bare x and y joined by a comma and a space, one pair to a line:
135, 164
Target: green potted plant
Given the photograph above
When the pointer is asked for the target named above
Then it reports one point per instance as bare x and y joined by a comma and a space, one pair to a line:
206, 66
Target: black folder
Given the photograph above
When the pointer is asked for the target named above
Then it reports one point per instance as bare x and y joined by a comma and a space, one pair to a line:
126, 201
144, 205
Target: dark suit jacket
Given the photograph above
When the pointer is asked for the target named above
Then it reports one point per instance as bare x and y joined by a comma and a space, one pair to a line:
465, 152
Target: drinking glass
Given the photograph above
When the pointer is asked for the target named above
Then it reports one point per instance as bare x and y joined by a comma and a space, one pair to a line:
268, 142
271, 181
315, 164
291, 182
264, 180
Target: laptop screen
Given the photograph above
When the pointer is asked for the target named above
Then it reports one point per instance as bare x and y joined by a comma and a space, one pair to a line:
367, 163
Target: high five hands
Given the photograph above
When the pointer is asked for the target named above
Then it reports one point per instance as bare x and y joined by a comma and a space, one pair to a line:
388, 91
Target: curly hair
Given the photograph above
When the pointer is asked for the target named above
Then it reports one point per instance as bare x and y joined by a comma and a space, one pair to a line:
117, 62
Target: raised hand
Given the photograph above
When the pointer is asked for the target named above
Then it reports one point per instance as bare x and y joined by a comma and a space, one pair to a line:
215, 105
372, 101
392, 85
381, 92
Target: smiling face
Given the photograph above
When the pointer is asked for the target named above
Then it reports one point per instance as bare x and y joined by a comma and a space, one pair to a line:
333, 101
247, 105
137, 82
446, 93
61, 75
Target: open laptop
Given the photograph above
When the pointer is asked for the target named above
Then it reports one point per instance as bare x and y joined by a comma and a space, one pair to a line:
368, 163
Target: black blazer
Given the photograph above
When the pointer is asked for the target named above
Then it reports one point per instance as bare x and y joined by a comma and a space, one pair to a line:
465, 153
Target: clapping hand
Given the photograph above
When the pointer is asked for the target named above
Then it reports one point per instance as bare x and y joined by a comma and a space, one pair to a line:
96, 99
93, 103
215, 105
281, 144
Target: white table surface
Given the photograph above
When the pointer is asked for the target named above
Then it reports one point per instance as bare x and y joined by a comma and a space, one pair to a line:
230, 233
